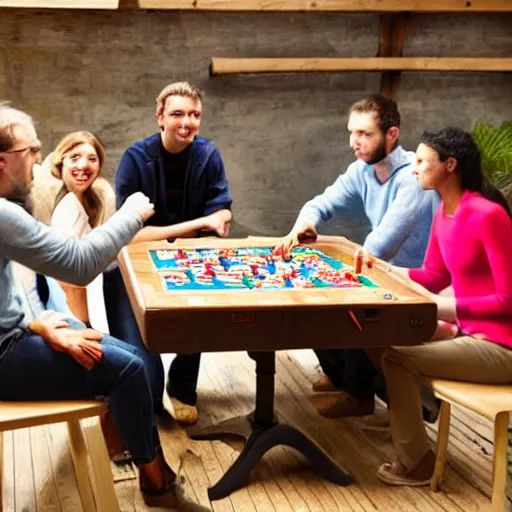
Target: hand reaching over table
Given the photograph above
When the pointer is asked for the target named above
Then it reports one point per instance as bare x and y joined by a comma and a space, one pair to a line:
363, 260
302, 235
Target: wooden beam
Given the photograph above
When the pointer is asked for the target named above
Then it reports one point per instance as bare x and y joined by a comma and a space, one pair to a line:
61, 4
234, 66
391, 44
333, 5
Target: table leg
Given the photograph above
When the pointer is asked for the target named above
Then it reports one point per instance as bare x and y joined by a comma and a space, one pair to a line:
263, 431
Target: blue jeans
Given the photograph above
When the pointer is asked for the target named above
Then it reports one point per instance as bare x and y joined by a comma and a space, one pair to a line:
122, 325
31, 370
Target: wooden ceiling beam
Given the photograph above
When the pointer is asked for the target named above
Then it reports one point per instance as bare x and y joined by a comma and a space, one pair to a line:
61, 4
234, 66
376, 6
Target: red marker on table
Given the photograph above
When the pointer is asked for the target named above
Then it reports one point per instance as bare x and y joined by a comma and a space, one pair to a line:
354, 319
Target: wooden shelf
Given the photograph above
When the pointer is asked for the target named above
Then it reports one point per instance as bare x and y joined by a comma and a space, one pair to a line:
377, 6
61, 4
231, 66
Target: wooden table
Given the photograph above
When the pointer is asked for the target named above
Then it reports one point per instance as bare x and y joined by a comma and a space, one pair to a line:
263, 321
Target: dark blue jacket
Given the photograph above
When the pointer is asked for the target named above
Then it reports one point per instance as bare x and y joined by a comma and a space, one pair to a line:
206, 187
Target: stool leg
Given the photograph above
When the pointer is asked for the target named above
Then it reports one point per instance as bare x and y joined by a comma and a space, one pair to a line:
79, 454
106, 498
1, 471
499, 467
442, 445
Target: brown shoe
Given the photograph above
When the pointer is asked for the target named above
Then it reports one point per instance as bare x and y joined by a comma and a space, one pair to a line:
324, 383
183, 413
342, 405
165, 495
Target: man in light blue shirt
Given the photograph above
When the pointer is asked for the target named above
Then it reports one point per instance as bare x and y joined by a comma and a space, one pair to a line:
400, 213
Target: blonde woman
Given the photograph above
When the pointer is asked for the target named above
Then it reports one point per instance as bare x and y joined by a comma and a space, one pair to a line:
80, 206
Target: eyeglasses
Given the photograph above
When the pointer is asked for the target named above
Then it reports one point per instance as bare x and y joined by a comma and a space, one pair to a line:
33, 149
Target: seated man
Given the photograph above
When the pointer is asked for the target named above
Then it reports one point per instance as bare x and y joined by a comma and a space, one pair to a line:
400, 213
184, 176
48, 359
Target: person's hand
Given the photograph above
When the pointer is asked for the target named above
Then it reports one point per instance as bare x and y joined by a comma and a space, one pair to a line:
139, 203
363, 260
445, 331
52, 320
302, 235
220, 222
446, 308
83, 345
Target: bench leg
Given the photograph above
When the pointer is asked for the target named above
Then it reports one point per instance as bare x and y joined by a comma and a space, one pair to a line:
499, 469
106, 498
442, 446
79, 454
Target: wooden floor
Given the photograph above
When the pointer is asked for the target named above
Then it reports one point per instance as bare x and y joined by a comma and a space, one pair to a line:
39, 476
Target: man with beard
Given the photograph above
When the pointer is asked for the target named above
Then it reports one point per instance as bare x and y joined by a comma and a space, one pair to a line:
400, 214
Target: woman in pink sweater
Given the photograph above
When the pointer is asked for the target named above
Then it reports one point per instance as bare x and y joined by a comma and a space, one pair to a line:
470, 248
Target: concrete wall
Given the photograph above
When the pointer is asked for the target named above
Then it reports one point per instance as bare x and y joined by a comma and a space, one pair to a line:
283, 137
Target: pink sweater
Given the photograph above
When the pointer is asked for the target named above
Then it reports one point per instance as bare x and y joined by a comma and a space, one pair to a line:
472, 251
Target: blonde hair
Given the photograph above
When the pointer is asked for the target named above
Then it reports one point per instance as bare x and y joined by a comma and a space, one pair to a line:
92, 203
176, 89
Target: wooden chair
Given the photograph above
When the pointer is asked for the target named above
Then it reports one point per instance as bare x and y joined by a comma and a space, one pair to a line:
15, 415
491, 401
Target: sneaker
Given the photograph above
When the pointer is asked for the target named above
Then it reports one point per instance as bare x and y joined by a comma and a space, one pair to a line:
342, 405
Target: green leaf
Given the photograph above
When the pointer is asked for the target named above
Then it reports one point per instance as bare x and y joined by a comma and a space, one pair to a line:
495, 146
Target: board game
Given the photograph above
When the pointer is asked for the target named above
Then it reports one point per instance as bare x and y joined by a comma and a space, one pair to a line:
252, 268
201, 295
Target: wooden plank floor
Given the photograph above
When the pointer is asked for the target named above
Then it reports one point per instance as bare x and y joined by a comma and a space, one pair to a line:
39, 476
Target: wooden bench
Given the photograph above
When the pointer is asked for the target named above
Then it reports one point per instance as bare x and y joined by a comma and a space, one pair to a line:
15, 415
491, 401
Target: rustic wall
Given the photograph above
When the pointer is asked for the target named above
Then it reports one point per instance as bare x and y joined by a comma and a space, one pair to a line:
283, 137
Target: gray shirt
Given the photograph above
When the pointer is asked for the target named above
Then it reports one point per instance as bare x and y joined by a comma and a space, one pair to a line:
35, 245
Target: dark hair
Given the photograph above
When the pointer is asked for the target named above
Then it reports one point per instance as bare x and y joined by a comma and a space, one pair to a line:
456, 143
385, 109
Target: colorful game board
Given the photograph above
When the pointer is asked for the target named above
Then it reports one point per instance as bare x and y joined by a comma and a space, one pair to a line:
252, 268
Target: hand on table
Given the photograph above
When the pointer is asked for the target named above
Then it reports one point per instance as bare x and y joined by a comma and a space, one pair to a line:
83, 345
363, 260
220, 222
302, 235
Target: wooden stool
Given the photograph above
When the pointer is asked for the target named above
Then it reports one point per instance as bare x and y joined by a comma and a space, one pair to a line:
491, 401
15, 415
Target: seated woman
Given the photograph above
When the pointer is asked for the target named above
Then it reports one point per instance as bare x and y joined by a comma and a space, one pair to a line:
470, 248
80, 207
77, 161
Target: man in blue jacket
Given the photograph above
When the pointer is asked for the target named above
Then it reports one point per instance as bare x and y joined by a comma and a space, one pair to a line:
184, 176
400, 213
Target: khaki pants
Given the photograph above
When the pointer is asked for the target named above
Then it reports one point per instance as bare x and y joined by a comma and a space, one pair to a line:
464, 359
